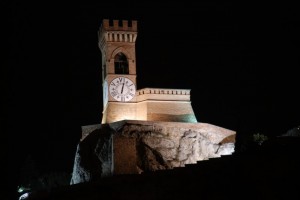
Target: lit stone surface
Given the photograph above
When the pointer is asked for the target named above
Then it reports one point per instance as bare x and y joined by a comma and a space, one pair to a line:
147, 146
168, 105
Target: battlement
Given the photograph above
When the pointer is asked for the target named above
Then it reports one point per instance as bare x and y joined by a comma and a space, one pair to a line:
117, 31
119, 25
160, 94
163, 91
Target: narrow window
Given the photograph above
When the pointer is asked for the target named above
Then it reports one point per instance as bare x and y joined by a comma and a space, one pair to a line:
121, 64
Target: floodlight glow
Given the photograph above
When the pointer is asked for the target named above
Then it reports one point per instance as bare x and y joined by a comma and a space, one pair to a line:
24, 196
21, 189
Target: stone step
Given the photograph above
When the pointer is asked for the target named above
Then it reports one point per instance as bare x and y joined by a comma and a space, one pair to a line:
223, 162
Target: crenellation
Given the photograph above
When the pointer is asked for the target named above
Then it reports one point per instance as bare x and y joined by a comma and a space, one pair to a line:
119, 25
116, 24
164, 91
125, 24
134, 25
118, 31
105, 24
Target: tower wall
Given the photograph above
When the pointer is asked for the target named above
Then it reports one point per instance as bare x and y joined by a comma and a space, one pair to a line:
170, 111
157, 104
115, 38
117, 111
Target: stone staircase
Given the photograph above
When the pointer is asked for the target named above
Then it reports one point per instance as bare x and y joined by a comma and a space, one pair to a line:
270, 171
203, 165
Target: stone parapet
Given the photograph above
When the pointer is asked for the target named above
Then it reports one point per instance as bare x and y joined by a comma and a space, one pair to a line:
163, 94
119, 25
119, 31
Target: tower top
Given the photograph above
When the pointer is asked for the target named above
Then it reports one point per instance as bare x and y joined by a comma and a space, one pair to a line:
119, 25
116, 31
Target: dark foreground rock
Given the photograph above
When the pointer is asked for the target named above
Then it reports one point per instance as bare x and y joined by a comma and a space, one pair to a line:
270, 171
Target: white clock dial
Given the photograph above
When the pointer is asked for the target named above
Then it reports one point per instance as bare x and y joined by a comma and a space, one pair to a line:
122, 89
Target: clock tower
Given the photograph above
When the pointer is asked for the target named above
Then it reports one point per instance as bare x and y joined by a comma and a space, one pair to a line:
121, 99
116, 40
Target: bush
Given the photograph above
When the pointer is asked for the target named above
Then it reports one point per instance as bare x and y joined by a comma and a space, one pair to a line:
259, 138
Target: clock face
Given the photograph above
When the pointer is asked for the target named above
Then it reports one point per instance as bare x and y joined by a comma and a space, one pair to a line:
122, 89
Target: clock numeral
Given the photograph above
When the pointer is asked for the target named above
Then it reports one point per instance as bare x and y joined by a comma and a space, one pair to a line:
112, 83
120, 79
131, 94
114, 93
122, 98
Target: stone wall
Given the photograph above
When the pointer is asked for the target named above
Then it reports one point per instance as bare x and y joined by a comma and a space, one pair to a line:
170, 111
163, 94
117, 111
168, 105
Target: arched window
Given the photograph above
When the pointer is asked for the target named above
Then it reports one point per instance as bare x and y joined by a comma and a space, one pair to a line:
121, 64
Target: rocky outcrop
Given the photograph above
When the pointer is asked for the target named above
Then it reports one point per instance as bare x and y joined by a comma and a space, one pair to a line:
147, 146
294, 132
93, 157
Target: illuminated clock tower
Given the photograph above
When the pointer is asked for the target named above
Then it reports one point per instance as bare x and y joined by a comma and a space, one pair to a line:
121, 99
117, 45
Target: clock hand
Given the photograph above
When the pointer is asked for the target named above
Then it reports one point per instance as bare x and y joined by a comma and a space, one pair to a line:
122, 88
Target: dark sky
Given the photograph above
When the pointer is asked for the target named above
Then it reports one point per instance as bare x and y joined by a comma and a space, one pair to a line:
239, 60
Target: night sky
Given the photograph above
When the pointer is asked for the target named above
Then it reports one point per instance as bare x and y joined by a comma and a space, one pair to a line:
239, 60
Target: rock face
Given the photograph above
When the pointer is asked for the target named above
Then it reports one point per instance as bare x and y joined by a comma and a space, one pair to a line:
130, 147
294, 132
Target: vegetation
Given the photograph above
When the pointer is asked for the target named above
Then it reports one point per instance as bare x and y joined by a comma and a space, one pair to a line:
259, 138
